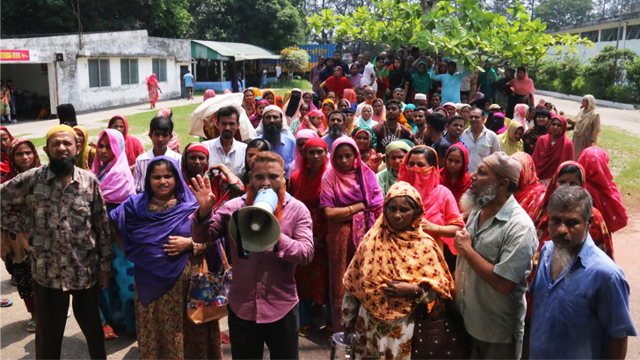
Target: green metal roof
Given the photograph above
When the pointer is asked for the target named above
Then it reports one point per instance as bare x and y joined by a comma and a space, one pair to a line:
215, 50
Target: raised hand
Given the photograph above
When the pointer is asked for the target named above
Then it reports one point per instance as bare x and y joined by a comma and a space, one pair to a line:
201, 189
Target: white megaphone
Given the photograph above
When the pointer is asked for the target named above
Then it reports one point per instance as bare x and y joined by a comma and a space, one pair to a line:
254, 228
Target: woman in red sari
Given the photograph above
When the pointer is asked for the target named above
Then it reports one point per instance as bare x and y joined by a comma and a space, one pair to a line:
306, 184
133, 147
599, 183
552, 149
154, 88
6, 138
530, 193
454, 175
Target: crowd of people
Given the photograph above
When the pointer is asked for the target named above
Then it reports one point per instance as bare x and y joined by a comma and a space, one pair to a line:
394, 191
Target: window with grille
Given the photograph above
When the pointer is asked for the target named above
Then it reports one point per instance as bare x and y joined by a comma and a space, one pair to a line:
99, 75
129, 71
159, 68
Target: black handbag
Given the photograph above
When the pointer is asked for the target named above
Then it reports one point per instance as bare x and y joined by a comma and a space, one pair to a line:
444, 338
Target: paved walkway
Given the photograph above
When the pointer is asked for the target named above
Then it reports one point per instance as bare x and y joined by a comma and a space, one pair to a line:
94, 120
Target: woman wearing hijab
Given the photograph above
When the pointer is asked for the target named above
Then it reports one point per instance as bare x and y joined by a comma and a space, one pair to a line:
530, 138
337, 83
394, 153
23, 156
133, 146
315, 121
441, 216
270, 96
327, 107
587, 126
306, 185
248, 102
208, 94
150, 223
256, 118
397, 267
530, 193
520, 114
292, 105
82, 143
111, 168
351, 200
303, 110
307, 97
522, 90
599, 183
154, 88
5, 147
511, 140
379, 111
366, 141
302, 137
279, 102
421, 81
351, 96
573, 174
454, 175
552, 149
366, 116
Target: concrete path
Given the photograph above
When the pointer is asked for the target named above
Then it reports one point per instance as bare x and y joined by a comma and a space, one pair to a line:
628, 120
39, 128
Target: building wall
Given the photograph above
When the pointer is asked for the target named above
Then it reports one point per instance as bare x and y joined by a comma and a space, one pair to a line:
73, 71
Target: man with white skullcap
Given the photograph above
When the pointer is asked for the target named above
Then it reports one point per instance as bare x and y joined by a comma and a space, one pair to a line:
282, 142
494, 259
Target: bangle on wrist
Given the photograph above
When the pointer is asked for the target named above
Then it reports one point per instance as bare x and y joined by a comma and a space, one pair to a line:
350, 210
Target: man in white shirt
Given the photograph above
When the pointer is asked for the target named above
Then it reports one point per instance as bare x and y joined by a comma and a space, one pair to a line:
160, 131
225, 149
480, 141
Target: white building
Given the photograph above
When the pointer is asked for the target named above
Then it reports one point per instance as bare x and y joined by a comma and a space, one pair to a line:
622, 32
108, 70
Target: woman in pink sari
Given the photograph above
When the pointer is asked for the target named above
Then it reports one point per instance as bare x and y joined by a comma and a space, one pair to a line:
352, 200
154, 87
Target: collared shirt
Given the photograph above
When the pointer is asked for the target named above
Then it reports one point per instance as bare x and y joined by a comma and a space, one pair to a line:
285, 149
263, 287
508, 241
234, 160
67, 226
486, 144
574, 317
329, 140
450, 85
142, 162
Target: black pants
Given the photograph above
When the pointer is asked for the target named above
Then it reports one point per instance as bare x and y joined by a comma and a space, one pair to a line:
51, 318
248, 338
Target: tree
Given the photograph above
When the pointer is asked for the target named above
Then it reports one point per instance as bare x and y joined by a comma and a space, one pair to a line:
466, 32
561, 13
295, 59
166, 18
273, 24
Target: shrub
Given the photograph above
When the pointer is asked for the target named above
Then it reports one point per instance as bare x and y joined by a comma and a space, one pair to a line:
620, 93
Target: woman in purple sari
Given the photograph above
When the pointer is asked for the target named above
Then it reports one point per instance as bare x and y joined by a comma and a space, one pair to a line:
352, 200
152, 226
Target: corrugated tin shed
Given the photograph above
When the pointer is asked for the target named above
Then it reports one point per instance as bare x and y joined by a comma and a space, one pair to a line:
216, 50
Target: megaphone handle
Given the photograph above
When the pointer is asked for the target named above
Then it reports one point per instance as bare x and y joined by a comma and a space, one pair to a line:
242, 254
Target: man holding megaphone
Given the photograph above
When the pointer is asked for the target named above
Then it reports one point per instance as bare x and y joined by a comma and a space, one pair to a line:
271, 234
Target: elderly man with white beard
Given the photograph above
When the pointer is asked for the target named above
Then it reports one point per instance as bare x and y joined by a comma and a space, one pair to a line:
580, 296
494, 259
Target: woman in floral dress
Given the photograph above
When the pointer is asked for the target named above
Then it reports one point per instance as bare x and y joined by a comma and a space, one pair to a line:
396, 267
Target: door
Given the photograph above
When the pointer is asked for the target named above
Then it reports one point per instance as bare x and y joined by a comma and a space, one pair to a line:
183, 89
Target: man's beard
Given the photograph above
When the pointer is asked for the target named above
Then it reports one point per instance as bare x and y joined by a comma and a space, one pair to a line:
471, 201
335, 132
62, 167
272, 134
227, 134
560, 260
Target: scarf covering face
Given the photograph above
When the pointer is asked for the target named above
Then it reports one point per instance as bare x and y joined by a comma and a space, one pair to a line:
387, 254
344, 188
304, 189
302, 134
548, 156
460, 186
13, 168
144, 235
599, 183
508, 143
82, 161
292, 105
388, 176
585, 117
4, 165
531, 193
441, 207
116, 180
133, 146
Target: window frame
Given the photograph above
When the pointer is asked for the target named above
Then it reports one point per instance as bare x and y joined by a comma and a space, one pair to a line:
129, 76
100, 63
159, 67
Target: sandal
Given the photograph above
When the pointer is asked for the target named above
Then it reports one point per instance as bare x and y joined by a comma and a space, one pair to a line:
31, 326
224, 338
6, 302
304, 330
108, 332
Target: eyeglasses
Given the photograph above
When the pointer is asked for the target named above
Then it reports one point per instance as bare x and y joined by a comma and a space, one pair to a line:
272, 117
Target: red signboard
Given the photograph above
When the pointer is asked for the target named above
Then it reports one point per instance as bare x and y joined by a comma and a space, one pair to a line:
17, 55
